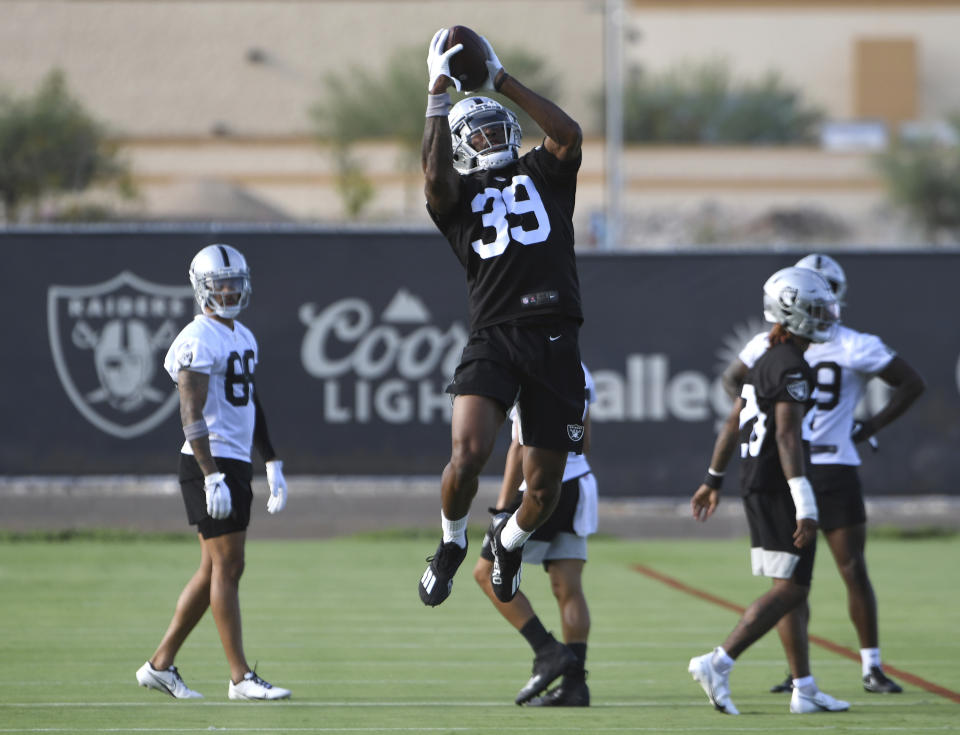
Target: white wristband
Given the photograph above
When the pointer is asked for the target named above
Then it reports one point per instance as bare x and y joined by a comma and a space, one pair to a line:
438, 105
803, 498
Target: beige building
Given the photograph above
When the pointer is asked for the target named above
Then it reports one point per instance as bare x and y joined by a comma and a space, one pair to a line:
210, 97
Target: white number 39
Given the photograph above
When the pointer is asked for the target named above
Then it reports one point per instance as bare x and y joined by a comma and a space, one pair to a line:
506, 202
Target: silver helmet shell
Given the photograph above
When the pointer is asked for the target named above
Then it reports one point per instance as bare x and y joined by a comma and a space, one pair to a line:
802, 301
218, 273
829, 269
472, 121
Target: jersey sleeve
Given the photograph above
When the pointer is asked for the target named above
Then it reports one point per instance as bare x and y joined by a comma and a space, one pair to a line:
549, 167
590, 388
869, 354
514, 417
188, 352
752, 350
785, 379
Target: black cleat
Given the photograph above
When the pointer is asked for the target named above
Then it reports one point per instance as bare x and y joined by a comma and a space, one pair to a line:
505, 574
785, 686
437, 580
572, 692
879, 683
552, 663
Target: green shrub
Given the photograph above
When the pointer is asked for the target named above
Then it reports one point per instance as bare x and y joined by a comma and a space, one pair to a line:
701, 103
923, 179
50, 145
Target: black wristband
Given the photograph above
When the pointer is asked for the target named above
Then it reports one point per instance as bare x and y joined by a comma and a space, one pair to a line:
713, 481
499, 80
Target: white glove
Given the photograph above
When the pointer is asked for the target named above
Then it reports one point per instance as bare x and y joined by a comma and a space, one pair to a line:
219, 502
278, 486
493, 66
438, 60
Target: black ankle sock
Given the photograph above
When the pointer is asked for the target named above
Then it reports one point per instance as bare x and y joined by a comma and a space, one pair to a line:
580, 651
577, 673
536, 635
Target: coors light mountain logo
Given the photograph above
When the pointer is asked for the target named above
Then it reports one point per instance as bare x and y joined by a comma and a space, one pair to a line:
108, 341
392, 369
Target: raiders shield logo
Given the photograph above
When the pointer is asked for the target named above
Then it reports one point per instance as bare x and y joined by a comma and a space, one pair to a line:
799, 390
575, 432
108, 341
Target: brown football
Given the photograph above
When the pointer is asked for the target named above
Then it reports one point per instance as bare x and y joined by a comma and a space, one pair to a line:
469, 65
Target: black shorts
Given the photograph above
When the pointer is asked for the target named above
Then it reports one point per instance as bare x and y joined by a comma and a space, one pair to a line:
535, 365
839, 495
238, 476
561, 520
772, 520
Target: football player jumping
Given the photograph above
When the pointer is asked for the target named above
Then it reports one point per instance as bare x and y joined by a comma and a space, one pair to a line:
842, 367
509, 220
780, 505
213, 361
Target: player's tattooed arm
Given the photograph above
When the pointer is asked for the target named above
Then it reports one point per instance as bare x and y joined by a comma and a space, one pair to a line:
706, 498
193, 388
789, 421
442, 182
564, 136
733, 377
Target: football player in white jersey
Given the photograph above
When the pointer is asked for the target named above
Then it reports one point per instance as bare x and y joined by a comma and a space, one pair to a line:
843, 366
560, 545
213, 361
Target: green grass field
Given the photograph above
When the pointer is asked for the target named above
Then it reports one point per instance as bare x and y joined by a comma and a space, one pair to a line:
340, 623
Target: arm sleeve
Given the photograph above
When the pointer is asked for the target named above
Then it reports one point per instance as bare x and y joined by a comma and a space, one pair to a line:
261, 437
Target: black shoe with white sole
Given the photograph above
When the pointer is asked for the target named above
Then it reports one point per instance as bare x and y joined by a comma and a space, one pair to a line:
784, 686
507, 565
877, 682
550, 664
572, 692
437, 580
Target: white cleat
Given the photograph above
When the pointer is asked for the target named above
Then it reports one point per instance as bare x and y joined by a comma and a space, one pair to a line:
805, 704
253, 687
714, 683
167, 680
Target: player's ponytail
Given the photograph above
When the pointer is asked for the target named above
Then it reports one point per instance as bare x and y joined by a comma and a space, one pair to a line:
779, 335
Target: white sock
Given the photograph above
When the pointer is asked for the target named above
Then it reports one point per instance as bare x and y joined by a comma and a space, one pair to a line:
869, 657
805, 684
721, 660
455, 531
512, 535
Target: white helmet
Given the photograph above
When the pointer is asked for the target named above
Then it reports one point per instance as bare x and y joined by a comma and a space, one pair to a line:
829, 269
218, 273
485, 134
802, 301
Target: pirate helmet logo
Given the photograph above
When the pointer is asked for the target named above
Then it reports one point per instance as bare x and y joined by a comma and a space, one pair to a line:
107, 341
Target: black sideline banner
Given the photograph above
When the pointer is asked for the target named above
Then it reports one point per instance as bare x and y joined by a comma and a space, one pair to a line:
360, 331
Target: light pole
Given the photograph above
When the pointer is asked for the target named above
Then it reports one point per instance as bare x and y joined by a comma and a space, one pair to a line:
613, 63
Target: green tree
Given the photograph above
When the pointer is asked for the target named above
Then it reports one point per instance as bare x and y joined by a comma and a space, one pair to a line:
387, 104
50, 145
923, 179
702, 103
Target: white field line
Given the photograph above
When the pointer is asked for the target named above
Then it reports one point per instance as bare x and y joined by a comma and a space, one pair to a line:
500, 728
406, 704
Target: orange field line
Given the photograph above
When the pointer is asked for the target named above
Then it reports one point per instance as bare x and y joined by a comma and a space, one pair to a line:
822, 642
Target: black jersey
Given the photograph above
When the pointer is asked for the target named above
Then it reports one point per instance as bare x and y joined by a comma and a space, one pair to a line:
781, 374
512, 230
